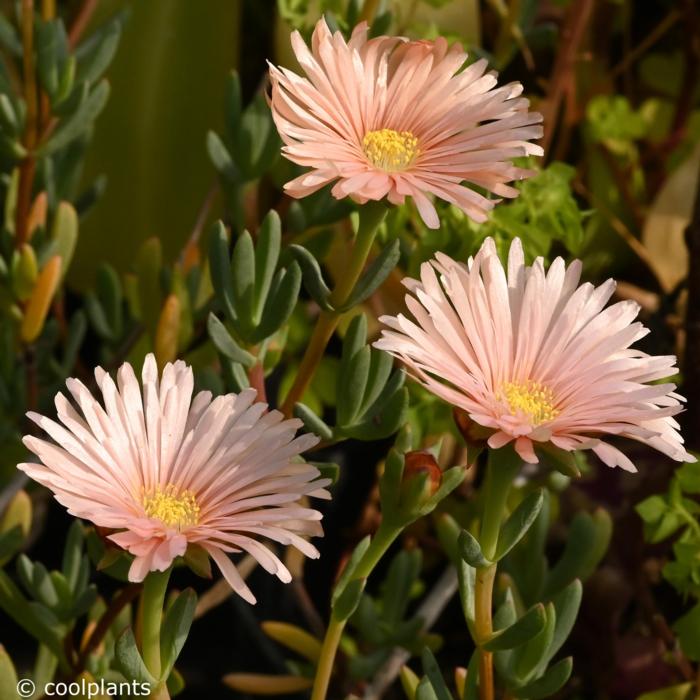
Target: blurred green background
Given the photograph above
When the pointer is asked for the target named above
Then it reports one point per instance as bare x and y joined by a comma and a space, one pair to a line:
167, 82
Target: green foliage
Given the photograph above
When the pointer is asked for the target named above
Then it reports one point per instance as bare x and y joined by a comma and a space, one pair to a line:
256, 293
382, 622
676, 514
369, 395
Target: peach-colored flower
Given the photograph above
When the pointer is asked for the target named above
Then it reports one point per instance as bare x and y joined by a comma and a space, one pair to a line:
389, 117
534, 357
167, 470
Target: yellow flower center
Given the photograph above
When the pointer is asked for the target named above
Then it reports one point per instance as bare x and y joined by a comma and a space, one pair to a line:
173, 508
390, 150
533, 399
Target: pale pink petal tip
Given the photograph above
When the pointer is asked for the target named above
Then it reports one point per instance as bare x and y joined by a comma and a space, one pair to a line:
534, 357
164, 469
391, 118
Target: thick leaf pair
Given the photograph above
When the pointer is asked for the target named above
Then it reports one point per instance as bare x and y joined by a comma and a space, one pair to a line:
56, 598
247, 150
512, 531
105, 305
372, 278
371, 400
173, 635
256, 295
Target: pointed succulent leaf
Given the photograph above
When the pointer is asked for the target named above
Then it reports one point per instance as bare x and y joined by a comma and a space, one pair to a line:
375, 275
267, 254
220, 270
566, 603
312, 423
350, 566
551, 682
434, 674
73, 554
176, 627
225, 344
383, 420
519, 523
129, 659
280, 304
220, 157
79, 121
470, 549
347, 601
294, 638
379, 371
313, 276
471, 687
586, 544
425, 690
528, 627
352, 381
532, 656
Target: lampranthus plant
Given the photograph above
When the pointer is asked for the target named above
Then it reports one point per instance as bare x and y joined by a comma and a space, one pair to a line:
534, 357
392, 118
164, 470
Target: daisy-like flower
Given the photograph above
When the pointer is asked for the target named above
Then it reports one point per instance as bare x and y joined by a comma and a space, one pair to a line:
166, 469
389, 117
534, 357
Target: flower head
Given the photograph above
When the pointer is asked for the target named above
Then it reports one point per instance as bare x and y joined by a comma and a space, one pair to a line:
534, 357
166, 469
389, 117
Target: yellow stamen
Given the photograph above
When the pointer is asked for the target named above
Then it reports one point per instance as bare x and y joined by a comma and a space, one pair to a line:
390, 150
173, 508
533, 399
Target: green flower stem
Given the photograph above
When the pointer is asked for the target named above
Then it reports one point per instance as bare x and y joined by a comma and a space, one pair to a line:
152, 600
371, 215
502, 467
382, 540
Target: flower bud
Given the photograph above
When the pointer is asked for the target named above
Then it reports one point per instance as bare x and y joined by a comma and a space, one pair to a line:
474, 435
421, 462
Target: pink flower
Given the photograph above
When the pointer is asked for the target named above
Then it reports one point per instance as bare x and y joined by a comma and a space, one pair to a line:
535, 357
167, 470
389, 117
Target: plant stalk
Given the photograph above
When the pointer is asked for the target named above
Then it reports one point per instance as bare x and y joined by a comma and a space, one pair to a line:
382, 540
371, 215
31, 97
501, 469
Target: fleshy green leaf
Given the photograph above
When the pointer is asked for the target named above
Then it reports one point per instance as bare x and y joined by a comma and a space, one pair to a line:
78, 122
350, 567
266, 256
551, 682
129, 659
225, 344
531, 624
176, 627
519, 523
281, 302
347, 601
566, 603
220, 269
586, 544
432, 671
374, 275
470, 550
313, 276
312, 423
